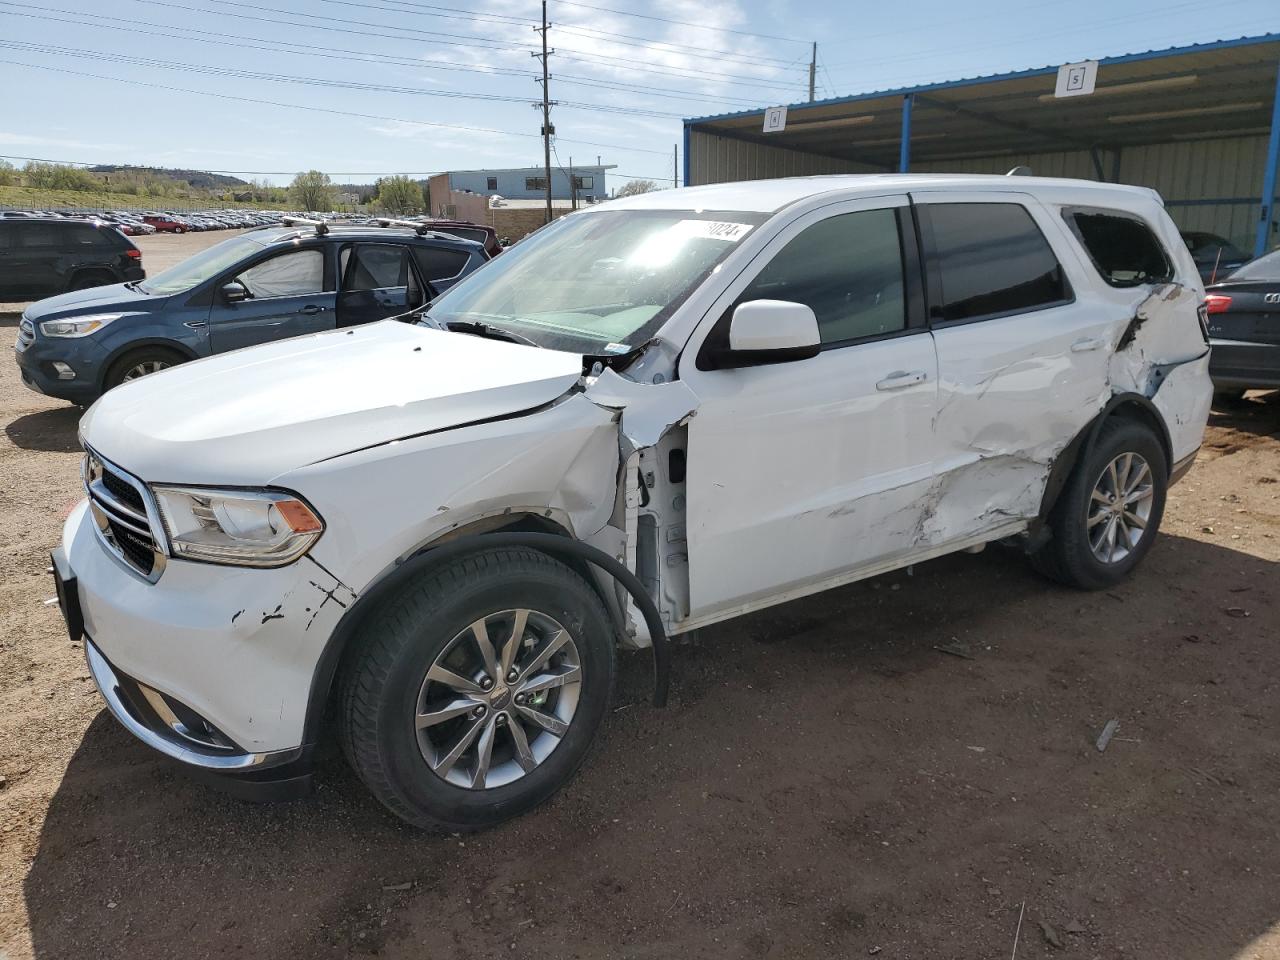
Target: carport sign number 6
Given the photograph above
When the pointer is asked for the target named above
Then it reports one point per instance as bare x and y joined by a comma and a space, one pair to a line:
1076, 79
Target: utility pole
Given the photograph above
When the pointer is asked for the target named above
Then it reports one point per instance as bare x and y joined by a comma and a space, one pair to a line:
547, 129
675, 165
813, 69
573, 186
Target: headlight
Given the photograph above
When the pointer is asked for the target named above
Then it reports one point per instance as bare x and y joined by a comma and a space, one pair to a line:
77, 326
252, 528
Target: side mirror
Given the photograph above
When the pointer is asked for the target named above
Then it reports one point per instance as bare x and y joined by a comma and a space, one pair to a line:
770, 331
234, 292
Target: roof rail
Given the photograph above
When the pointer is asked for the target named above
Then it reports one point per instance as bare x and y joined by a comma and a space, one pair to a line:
421, 229
321, 227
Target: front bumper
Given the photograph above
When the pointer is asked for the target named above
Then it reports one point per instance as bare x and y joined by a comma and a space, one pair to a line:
35, 359
210, 665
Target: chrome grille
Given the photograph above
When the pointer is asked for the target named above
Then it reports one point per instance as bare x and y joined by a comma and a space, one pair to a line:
122, 510
26, 330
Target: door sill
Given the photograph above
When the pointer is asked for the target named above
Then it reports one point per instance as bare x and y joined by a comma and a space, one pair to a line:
864, 572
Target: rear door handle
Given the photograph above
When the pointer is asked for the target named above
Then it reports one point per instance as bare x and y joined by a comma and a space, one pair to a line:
900, 379
311, 310
1087, 344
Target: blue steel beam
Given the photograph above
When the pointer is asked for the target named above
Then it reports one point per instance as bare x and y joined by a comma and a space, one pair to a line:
1268, 212
904, 151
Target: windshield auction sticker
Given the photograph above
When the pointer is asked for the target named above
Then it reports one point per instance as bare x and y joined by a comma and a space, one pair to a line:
713, 229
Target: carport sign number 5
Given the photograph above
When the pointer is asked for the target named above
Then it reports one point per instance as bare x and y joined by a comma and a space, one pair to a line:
1076, 79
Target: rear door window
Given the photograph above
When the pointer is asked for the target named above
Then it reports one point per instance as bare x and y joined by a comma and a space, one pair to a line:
374, 266
990, 259
1122, 247
440, 263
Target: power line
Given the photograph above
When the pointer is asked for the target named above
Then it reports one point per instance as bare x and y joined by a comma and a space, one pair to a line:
220, 37
431, 10
476, 42
594, 59
456, 14
629, 40
311, 109
360, 56
506, 46
313, 81
682, 23
497, 45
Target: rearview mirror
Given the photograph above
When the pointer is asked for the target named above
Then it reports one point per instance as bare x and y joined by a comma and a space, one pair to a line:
234, 292
770, 331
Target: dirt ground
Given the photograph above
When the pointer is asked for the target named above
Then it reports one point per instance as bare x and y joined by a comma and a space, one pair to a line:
825, 783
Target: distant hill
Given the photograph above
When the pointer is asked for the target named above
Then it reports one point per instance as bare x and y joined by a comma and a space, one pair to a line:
199, 179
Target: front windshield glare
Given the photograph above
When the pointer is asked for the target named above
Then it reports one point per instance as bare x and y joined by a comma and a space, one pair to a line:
197, 269
600, 282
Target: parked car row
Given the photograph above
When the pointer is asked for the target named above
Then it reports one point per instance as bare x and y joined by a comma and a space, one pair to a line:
133, 223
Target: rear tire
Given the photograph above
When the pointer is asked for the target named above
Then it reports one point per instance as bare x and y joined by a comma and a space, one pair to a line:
422, 640
1100, 533
139, 363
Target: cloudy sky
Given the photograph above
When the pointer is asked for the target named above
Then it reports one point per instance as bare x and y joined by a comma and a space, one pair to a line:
360, 88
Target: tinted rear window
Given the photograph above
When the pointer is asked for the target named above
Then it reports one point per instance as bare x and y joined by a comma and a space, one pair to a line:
438, 263
87, 235
37, 234
1123, 249
992, 259
479, 236
1264, 268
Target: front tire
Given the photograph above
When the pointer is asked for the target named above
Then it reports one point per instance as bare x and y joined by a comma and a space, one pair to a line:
1109, 513
140, 363
478, 689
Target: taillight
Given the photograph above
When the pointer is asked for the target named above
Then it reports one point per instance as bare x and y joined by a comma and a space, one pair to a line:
1217, 302
133, 252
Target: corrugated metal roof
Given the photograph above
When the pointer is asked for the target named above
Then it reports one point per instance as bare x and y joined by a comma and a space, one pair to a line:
1050, 69
1200, 91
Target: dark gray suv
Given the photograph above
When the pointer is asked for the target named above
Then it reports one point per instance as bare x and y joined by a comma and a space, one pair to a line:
260, 286
40, 257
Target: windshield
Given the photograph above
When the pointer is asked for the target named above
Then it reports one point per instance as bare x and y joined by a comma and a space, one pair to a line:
597, 283
199, 268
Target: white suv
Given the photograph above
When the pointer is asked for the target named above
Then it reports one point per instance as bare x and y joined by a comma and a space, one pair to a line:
653, 415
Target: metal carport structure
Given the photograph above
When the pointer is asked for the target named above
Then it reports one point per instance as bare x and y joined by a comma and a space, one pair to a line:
1199, 123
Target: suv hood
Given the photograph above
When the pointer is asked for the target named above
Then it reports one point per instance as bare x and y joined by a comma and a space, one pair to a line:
246, 417
115, 298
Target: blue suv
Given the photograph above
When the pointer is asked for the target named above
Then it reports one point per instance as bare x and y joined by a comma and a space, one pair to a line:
264, 285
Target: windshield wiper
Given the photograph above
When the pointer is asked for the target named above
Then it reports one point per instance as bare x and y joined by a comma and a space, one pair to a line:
488, 330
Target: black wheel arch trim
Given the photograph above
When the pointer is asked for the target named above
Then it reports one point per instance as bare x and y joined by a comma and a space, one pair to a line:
1083, 443
179, 348
560, 546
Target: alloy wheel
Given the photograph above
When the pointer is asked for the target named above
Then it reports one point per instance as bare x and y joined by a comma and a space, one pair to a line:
498, 699
144, 368
1120, 508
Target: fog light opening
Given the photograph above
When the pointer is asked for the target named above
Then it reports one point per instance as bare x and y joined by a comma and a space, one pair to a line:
65, 372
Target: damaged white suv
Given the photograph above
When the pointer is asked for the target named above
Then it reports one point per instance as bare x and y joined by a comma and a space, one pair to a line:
650, 416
